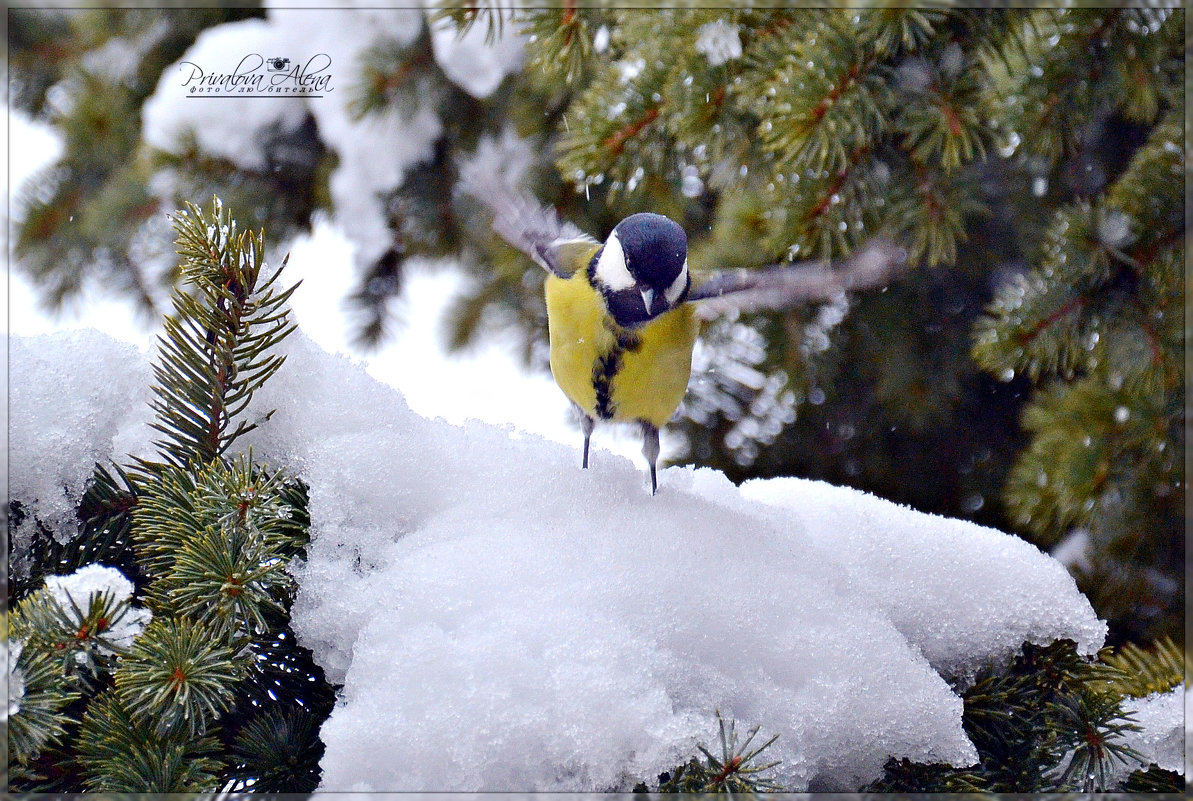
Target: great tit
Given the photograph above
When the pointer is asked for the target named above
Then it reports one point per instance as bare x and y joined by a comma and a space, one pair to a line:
623, 316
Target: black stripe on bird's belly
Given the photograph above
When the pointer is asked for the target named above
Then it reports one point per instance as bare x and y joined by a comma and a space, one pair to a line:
608, 365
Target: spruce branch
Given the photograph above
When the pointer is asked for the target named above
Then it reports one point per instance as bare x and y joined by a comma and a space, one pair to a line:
896, 30
735, 768
827, 214
1154, 780
825, 99
464, 16
179, 674
615, 132
279, 752
1095, 725
392, 77
905, 776
84, 638
561, 39
165, 518
120, 751
214, 543
1137, 672
944, 121
42, 694
932, 208
219, 343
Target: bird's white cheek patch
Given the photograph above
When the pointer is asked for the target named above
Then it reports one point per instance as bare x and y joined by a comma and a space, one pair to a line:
676, 289
611, 270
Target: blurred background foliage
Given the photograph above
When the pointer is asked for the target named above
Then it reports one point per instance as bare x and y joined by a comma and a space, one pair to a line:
1026, 373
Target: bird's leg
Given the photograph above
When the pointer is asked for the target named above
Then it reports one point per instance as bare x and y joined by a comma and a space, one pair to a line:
650, 449
586, 424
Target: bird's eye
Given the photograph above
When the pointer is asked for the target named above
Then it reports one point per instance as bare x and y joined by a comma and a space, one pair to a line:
611, 267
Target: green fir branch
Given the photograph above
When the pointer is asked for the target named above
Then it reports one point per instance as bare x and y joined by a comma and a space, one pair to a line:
393, 79
214, 543
826, 99
43, 695
1041, 724
894, 30
165, 517
1136, 672
943, 121
464, 16
615, 131
1042, 326
122, 752
1155, 780
734, 768
1094, 724
78, 637
561, 39
180, 675
932, 210
219, 343
278, 752
1076, 468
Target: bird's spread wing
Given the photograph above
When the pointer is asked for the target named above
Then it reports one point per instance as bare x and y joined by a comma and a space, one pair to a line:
873, 265
530, 227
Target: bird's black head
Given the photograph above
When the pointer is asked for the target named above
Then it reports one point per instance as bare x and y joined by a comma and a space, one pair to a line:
643, 268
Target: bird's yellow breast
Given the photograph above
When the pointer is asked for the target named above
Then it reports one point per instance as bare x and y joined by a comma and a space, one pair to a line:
614, 373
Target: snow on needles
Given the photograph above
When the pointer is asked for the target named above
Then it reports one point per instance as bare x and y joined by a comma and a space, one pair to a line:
77, 589
501, 620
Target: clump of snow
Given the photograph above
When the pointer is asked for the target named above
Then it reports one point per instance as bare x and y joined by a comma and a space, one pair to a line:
1073, 551
498, 162
952, 60
74, 399
229, 127
1161, 739
730, 380
502, 620
374, 152
78, 588
1188, 734
600, 40
475, 65
10, 652
719, 42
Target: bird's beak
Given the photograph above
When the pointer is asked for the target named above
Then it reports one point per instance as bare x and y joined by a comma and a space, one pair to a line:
648, 298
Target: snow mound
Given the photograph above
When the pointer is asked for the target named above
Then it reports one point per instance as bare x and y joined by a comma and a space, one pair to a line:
502, 620
74, 399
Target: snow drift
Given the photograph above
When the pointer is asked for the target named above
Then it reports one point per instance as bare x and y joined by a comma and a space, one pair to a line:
502, 620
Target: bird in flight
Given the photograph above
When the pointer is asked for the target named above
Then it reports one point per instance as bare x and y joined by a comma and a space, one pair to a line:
624, 314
